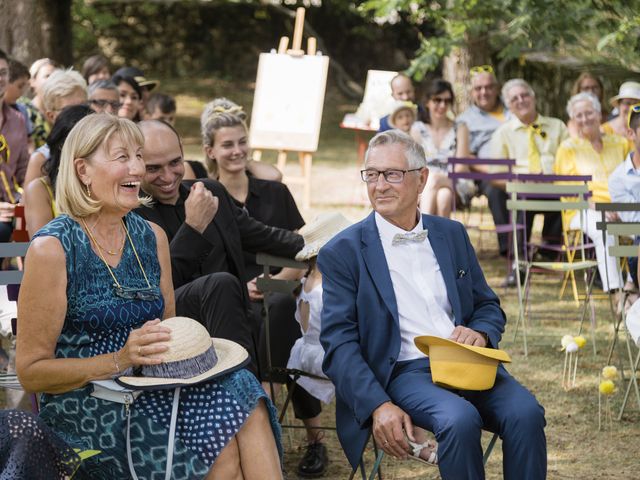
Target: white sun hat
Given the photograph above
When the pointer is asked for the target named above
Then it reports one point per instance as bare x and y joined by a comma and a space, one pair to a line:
319, 232
193, 357
627, 90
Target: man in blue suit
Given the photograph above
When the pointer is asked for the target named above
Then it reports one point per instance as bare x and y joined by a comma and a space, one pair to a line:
394, 276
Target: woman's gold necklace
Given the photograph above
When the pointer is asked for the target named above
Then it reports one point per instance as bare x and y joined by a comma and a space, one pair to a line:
127, 236
106, 250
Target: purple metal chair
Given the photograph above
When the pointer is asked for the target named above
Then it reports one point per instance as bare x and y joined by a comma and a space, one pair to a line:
505, 176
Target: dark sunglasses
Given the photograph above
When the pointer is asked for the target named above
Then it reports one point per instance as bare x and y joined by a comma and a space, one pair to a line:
446, 101
145, 294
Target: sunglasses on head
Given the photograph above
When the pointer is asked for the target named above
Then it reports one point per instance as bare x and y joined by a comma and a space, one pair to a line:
633, 110
480, 69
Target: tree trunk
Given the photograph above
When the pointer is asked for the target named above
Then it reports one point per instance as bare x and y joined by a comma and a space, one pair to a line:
32, 29
456, 66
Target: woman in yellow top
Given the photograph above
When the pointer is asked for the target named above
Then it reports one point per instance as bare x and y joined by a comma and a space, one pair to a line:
596, 154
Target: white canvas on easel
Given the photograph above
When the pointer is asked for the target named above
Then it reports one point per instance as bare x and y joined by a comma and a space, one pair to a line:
377, 101
288, 102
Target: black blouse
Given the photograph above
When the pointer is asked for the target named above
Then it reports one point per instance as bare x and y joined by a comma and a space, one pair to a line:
271, 203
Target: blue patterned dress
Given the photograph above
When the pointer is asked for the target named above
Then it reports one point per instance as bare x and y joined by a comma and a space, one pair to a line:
98, 322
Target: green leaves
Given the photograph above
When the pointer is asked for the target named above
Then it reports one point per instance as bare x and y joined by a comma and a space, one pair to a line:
590, 30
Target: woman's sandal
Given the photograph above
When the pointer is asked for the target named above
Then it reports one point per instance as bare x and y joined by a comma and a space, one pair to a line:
416, 449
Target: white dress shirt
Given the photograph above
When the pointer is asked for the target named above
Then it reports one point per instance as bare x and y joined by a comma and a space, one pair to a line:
419, 288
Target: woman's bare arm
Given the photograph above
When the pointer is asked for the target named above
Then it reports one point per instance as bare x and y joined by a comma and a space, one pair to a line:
37, 206
34, 167
42, 307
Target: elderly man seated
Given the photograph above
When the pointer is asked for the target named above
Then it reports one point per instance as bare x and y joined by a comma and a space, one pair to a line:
397, 275
532, 140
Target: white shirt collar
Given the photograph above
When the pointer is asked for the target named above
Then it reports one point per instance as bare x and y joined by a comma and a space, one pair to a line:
629, 163
388, 230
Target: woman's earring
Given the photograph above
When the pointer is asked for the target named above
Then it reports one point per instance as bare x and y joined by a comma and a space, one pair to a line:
88, 191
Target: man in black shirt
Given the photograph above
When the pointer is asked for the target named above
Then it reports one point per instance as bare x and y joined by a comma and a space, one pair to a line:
207, 234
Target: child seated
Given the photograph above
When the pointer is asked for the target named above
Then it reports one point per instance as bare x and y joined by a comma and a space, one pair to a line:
403, 115
307, 353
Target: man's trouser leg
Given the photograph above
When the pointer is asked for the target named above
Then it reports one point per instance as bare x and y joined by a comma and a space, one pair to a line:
216, 301
457, 418
497, 199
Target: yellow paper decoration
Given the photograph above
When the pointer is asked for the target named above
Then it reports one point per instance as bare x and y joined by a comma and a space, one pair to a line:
610, 372
580, 341
607, 387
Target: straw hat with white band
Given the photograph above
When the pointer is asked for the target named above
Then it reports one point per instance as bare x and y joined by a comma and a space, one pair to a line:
192, 357
319, 232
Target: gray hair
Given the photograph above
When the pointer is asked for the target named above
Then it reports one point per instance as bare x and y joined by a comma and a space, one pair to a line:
414, 152
60, 84
515, 82
101, 85
583, 97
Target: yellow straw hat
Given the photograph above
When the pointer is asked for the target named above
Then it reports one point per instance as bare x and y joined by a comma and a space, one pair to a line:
193, 357
458, 366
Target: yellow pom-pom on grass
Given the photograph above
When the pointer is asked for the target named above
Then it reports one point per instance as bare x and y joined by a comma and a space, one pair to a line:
580, 341
607, 387
610, 372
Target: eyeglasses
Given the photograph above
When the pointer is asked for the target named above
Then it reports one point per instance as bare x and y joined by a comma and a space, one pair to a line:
437, 100
390, 176
146, 294
480, 69
634, 109
103, 103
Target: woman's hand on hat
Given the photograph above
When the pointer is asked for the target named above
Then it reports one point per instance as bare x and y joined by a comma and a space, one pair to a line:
390, 423
468, 336
144, 345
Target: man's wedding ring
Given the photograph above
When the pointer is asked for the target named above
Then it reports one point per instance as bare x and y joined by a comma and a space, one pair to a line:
139, 351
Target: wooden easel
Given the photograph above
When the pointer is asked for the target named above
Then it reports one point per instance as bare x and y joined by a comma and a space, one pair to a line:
305, 158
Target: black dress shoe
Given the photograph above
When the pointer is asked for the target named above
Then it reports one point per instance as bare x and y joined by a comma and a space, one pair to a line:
315, 461
511, 279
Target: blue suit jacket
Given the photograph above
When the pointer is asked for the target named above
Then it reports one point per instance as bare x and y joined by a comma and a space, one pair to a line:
360, 327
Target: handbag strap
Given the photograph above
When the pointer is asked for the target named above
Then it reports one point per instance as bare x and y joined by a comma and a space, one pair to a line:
170, 444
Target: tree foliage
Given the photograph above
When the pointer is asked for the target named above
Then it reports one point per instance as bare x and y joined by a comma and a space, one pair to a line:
591, 31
